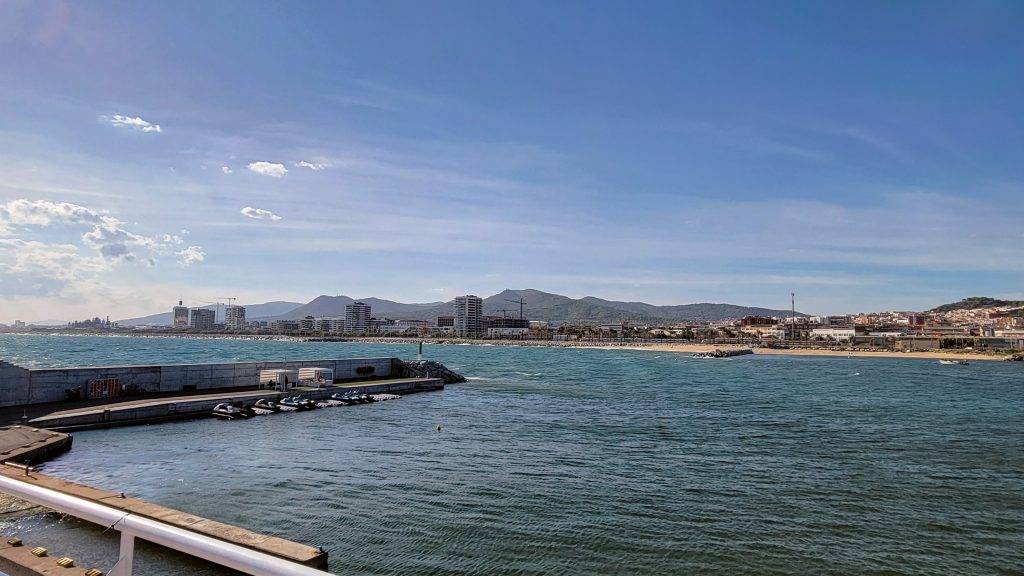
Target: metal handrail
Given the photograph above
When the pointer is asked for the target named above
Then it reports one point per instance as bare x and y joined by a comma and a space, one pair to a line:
131, 525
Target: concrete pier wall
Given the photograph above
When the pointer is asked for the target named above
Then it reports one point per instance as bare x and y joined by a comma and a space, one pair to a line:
20, 386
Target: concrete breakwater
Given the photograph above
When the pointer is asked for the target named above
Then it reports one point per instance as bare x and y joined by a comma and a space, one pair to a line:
200, 405
26, 386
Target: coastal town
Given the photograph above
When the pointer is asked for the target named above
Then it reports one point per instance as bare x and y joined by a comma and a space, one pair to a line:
976, 324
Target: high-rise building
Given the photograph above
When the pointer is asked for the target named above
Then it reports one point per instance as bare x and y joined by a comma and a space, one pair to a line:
202, 319
179, 316
357, 317
469, 311
234, 317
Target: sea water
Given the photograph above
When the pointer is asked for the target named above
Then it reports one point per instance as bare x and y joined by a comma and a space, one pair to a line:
581, 462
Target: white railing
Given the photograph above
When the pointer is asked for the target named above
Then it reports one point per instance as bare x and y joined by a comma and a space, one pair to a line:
133, 526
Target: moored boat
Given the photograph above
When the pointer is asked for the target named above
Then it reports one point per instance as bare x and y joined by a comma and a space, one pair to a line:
266, 404
228, 411
958, 362
346, 398
298, 402
264, 407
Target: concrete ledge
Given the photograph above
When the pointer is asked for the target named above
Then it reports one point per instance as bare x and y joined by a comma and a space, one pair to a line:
27, 445
186, 407
286, 549
19, 561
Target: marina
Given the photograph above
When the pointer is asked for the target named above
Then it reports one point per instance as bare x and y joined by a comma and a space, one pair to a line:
247, 390
486, 475
148, 411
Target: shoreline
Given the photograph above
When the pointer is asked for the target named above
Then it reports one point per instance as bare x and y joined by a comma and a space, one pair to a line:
694, 348
676, 347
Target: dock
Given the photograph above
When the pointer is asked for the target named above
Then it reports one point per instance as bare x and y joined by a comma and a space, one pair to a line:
29, 445
147, 411
17, 559
29, 484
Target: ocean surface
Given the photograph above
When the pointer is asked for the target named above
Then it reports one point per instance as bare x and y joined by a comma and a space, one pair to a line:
582, 462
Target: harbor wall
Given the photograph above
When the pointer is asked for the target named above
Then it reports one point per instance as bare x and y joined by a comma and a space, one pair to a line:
20, 386
162, 410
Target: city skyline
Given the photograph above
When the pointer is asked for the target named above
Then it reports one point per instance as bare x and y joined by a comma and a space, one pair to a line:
421, 153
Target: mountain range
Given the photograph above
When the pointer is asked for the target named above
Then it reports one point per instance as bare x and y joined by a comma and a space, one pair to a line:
251, 311
537, 306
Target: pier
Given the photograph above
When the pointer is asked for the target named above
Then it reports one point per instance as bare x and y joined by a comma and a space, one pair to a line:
217, 542
26, 445
220, 543
147, 411
21, 386
99, 397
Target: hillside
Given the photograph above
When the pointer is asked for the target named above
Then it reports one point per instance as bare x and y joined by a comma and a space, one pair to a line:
334, 306
540, 306
975, 302
251, 311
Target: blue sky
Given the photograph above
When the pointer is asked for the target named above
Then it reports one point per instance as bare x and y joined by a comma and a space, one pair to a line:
865, 155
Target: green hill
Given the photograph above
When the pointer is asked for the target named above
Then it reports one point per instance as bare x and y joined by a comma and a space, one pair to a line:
976, 302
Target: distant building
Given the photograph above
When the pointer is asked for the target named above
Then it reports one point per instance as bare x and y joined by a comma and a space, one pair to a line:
840, 334
284, 326
179, 316
234, 317
469, 311
202, 319
329, 325
357, 317
405, 327
446, 321
501, 327
19, 324
757, 321
307, 324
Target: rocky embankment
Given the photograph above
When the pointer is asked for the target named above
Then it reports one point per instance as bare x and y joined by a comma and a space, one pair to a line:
430, 369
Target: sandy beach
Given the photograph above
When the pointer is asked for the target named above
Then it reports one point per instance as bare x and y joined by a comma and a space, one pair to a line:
693, 348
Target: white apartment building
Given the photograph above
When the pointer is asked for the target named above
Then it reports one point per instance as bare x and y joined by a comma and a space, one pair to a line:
330, 325
234, 318
357, 317
834, 333
469, 311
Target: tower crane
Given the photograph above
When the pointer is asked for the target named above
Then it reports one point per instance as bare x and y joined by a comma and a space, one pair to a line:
521, 303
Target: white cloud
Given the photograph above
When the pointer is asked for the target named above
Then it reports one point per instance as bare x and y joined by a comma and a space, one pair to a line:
259, 214
24, 212
114, 242
172, 239
135, 123
271, 169
191, 255
107, 234
314, 166
38, 269
226, 169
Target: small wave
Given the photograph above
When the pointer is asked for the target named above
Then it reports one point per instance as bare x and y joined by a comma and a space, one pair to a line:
527, 373
476, 378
